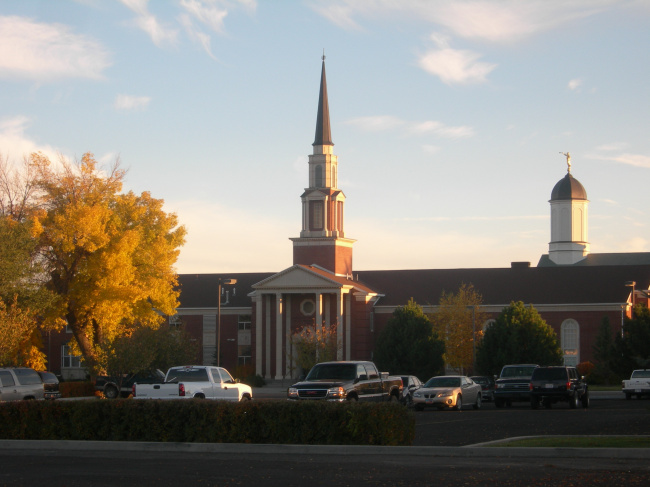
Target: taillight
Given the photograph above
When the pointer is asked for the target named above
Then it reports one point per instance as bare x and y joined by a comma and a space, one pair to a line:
568, 386
133, 390
181, 389
530, 386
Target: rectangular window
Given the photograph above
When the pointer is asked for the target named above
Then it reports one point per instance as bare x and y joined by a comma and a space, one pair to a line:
67, 360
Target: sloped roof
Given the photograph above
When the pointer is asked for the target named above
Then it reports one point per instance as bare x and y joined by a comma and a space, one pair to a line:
589, 284
623, 258
200, 290
532, 285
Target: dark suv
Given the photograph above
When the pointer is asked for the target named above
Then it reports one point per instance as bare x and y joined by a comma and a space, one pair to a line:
549, 385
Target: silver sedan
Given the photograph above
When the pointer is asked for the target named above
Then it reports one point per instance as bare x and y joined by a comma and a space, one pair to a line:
448, 392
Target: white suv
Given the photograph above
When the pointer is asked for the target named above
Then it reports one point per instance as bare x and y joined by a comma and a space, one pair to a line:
18, 383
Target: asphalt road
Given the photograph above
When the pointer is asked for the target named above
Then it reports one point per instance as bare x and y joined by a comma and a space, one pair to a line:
437, 458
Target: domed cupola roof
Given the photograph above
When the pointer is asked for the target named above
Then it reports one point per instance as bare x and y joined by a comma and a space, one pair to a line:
568, 188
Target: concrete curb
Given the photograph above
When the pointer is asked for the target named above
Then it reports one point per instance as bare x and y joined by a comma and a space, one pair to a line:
357, 450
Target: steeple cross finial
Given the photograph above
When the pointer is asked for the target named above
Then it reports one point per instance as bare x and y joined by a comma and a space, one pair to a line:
568, 160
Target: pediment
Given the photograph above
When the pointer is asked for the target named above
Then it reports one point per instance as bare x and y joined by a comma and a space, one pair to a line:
297, 277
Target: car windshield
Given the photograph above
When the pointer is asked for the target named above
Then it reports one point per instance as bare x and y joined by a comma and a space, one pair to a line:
550, 374
520, 371
333, 372
443, 382
481, 380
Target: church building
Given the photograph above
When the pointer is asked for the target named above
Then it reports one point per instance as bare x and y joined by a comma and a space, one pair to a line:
253, 319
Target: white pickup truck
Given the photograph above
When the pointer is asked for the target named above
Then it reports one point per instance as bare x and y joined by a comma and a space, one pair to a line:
638, 384
195, 381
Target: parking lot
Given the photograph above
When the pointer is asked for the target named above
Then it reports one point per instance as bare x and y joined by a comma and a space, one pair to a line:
467, 427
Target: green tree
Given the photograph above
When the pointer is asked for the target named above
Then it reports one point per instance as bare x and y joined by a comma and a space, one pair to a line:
109, 256
409, 345
632, 347
147, 349
456, 322
519, 335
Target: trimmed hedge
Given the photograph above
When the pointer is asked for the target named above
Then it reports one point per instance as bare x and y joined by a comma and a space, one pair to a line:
201, 421
77, 389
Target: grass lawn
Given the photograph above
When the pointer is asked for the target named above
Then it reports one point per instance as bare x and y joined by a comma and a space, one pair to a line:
580, 442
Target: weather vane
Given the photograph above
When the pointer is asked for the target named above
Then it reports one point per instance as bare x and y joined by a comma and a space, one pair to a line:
568, 160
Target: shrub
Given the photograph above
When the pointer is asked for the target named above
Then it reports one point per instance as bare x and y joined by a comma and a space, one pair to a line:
77, 389
200, 421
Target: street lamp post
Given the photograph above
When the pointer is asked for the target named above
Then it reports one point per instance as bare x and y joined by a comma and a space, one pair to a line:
221, 281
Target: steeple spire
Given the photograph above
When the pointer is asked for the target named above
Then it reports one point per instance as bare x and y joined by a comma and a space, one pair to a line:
323, 133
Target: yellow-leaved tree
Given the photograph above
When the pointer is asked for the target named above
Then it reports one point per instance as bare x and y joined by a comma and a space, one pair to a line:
109, 256
459, 322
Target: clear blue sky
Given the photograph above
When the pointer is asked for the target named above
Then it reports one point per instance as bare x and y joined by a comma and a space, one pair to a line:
448, 118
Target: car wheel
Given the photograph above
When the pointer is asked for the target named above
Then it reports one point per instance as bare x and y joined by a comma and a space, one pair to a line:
534, 403
478, 401
573, 401
110, 392
628, 396
585, 400
353, 398
547, 403
393, 398
498, 403
245, 397
459, 403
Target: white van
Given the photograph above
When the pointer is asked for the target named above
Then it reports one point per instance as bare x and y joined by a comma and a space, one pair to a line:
18, 383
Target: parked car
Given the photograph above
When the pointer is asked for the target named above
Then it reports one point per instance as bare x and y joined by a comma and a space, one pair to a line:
487, 384
513, 384
195, 381
448, 391
549, 385
114, 387
410, 384
18, 383
638, 384
50, 385
346, 381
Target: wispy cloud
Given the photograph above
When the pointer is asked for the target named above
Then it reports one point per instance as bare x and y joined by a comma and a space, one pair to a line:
491, 20
636, 160
384, 123
15, 143
159, 33
128, 102
44, 52
575, 84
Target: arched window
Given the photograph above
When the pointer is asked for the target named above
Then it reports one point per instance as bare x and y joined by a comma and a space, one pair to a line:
488, 324
570, 342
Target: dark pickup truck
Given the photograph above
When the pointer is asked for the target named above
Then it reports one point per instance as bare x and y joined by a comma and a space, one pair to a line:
346, 381
114, 387
513, 385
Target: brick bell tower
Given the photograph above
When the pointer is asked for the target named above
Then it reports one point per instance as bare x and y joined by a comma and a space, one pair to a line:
322, 240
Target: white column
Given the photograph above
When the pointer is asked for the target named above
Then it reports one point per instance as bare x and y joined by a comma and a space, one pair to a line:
340, 325
319, 309
259, 310
287, 313
348, 326
279, 336
267, 342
